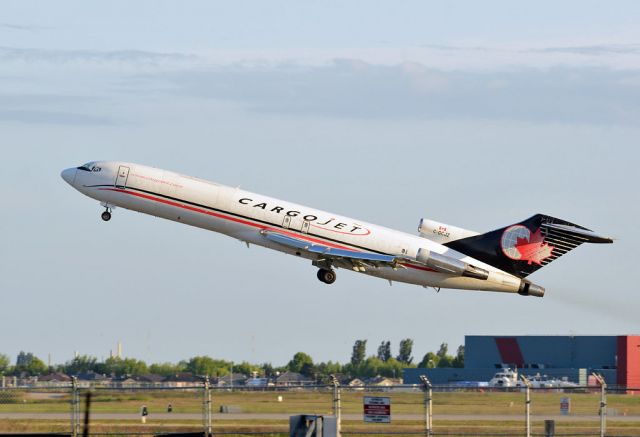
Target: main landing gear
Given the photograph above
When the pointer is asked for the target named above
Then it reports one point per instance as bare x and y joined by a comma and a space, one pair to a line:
327, 276
106, 216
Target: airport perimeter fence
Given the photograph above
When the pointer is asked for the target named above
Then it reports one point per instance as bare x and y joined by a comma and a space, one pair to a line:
397, 410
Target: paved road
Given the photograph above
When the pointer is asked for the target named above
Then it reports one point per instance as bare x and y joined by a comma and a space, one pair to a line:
278, 416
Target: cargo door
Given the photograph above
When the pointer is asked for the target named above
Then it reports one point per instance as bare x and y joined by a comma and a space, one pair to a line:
295, 223
121, 178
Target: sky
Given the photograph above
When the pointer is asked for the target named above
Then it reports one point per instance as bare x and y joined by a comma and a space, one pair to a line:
475, 114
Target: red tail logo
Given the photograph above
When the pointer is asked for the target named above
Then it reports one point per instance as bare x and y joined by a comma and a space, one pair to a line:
519, 243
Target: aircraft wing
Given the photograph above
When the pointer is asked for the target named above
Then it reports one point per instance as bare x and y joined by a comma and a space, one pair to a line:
343, 257
358, 261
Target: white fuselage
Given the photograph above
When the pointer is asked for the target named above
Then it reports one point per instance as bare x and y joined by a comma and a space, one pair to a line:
242, 214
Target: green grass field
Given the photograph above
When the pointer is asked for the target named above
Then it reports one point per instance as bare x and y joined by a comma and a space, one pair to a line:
407, 410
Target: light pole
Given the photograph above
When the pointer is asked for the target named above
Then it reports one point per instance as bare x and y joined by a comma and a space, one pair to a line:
336, 403
428, 411
75, 407
527, 404
206, 405
603, 403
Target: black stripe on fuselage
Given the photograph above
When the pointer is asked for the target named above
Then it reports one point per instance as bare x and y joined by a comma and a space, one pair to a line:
177, 199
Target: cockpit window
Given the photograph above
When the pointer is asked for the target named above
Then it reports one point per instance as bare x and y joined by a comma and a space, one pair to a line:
89, 166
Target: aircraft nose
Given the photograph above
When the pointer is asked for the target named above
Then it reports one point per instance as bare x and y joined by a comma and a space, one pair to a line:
69, 175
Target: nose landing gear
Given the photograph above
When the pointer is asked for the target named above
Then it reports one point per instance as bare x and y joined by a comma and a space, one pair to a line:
327, 276
106, 216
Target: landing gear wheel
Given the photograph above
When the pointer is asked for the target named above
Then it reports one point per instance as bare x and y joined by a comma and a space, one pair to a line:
106, 216
327, 276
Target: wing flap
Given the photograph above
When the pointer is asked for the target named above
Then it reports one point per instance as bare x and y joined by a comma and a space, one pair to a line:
329, 252
358, 260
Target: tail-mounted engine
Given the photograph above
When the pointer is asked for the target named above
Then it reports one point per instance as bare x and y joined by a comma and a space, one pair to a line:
441, 232
446, 264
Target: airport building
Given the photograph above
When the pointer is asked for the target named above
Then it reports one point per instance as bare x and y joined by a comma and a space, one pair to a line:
615, 357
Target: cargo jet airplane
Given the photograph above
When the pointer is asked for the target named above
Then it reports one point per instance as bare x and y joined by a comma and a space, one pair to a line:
442, 256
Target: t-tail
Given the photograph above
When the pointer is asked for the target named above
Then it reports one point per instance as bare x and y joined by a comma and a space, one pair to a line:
523, 248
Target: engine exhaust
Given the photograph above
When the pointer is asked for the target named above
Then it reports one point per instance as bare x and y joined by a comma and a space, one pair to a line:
529, 289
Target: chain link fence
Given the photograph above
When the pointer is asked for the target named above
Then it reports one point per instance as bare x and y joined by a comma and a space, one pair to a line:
412, 410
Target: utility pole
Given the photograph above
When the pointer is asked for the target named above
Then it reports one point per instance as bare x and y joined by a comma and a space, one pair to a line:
527, 405
206, 406
603, 403
337, 408
428, 407
75, 407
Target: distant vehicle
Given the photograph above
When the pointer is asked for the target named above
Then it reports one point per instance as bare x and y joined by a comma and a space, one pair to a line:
442, 256
257, 382
506, 377
544, 381
470, 384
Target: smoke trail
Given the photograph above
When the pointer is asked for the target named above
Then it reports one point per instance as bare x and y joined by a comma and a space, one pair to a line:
596, 305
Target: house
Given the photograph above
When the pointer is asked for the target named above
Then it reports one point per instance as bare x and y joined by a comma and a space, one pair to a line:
355, 382
92, 379
183, 379
381, 381
124, 382
55, 379
343, 379
150, 380
234, 379
292, 379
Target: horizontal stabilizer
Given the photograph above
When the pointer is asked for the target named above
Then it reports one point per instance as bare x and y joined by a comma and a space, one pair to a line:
580, 233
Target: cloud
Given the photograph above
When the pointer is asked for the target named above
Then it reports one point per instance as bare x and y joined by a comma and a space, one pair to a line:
20, 26
346, 87
51, 117
597, 50
52, 109
353, 88
445, 57
14, 100
91, 57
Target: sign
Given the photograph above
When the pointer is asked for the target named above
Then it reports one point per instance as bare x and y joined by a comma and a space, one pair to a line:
565, 406
377, 409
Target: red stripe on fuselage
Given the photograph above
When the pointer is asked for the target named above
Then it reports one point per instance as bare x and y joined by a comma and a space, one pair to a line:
222, 216
246, 222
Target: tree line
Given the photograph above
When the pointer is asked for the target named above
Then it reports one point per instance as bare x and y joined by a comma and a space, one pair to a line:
361, 365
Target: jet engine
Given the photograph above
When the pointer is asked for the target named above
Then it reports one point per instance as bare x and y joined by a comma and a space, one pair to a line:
447, 264
441, 232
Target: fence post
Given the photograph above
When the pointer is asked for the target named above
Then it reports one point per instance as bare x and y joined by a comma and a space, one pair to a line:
87, 409
206, 407
337, 407
527, 405
428, 406
549, 428
603, 403
75, 407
